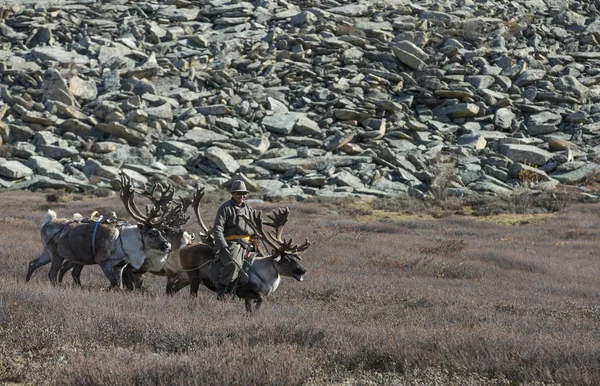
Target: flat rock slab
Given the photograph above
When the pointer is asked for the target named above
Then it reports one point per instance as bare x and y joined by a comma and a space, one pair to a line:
577, 175
526, 154
59, 55
313, 163
14, 170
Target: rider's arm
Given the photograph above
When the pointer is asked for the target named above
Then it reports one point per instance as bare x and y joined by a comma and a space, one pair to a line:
220, 221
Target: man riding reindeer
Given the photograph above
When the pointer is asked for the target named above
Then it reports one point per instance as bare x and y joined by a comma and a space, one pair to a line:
234, 239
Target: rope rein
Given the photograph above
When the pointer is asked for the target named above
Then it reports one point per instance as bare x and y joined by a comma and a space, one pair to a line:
188, 270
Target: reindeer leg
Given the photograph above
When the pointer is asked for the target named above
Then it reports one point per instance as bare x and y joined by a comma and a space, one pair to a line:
171, 280
138, 280
118, 270
178, 285
64, 268
248, 303
76, 274
108, 269
34, 264
258, 303
127, 277
194, 277
56, 264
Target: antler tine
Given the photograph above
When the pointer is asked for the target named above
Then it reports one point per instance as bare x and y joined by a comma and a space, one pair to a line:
127, 195
295, 248
278, 220
196, 198
255, 222
176, 212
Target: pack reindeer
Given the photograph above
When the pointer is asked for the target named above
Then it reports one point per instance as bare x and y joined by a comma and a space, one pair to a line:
174, 217
112, 245
264, 273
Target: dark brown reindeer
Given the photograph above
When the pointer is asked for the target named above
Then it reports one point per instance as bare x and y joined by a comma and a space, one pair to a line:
154, 215
45, 257
112, 245
264, 275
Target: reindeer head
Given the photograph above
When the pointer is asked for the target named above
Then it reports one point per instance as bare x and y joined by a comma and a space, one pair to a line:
153, 240
290, 264
286, 254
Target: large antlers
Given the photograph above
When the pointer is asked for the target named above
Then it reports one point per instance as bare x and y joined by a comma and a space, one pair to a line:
164, 212
176, 215
273, 237
206, 234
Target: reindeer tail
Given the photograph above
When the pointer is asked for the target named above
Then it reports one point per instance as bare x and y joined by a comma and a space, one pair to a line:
49, 216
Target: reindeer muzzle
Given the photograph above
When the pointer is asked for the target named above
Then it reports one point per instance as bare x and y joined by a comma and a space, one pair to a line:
298, 274
166, 247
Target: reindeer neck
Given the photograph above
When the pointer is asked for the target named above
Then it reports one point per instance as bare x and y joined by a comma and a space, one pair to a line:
131, 245
265, 268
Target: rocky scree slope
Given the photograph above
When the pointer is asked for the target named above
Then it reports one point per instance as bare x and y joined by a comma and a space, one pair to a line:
372, 98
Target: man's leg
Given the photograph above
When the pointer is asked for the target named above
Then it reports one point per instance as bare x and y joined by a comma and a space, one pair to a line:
229, 272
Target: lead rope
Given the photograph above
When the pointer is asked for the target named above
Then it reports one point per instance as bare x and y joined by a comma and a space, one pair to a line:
189, 270
60, 230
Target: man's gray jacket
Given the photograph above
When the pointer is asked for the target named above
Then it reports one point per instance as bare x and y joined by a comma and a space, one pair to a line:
229, 223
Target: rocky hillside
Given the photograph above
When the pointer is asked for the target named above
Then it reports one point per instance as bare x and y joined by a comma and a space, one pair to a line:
309, 98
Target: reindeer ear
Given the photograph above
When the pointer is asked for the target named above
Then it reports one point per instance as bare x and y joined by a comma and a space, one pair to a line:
140, 226
277, 259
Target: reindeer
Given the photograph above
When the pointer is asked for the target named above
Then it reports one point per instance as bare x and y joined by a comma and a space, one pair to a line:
264, 273
171, 225
112, 245
45, 257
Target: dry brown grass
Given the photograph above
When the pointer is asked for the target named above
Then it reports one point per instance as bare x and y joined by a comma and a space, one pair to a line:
448, 301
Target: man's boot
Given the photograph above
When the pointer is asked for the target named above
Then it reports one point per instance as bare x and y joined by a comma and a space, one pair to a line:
221, 292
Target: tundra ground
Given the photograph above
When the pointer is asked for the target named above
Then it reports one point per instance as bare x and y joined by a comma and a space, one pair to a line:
397, 293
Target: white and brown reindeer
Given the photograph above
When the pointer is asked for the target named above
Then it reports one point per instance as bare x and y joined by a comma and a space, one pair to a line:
171, 226
264, 274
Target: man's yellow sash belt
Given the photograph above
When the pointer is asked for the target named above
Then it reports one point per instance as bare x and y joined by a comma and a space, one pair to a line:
239, 237
250, 239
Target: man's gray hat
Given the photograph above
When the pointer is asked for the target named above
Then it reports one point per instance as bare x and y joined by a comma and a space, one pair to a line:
238, 186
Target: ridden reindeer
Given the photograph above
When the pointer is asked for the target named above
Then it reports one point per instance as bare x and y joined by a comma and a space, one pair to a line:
112, 245
265, 272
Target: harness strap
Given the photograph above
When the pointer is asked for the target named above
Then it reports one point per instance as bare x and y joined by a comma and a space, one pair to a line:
122, 247
94, 235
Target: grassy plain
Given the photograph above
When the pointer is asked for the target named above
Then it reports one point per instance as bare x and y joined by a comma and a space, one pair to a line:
396, 294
